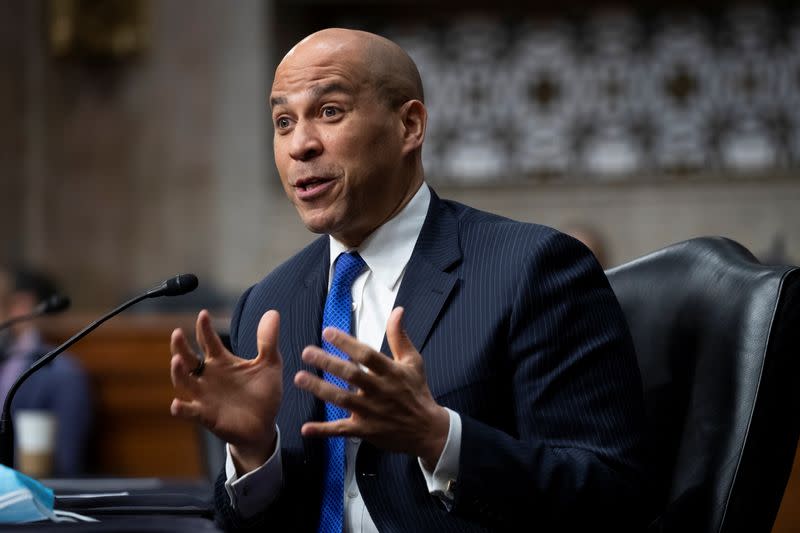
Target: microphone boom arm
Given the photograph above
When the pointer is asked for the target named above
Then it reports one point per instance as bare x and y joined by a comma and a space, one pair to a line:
185, 283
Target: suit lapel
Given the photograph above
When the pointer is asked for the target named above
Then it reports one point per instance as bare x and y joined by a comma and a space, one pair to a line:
306, 310
427, 283
304, 321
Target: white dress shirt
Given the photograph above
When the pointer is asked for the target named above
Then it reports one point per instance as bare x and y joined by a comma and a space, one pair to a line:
386, 253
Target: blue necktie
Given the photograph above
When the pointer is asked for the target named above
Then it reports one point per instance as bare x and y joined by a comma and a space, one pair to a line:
338, 313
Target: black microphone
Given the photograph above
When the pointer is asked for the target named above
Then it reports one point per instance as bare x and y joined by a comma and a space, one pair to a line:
176, 286
54, 304
180, 284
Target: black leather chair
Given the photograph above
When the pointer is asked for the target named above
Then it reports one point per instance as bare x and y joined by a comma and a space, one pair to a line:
717, 335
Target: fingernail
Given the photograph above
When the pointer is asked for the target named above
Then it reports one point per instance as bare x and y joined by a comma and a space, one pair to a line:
329, 334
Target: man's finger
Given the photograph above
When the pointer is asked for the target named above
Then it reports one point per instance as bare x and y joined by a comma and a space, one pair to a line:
207, 338
183, 361
267, 337
180, 372
344, 427
396, 336
328, 392
359, 352
179, 345
186, 409
346, 370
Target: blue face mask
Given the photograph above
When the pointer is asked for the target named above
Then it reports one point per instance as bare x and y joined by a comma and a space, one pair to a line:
23, 499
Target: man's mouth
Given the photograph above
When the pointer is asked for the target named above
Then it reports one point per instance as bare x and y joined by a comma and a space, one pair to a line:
311, 189
305, 184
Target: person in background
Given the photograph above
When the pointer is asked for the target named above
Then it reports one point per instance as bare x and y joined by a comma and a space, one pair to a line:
591, 238
61, 387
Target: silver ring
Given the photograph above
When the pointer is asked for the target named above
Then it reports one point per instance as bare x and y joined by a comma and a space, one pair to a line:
198, 370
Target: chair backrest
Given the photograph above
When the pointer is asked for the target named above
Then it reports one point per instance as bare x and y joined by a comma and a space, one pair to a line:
717, 336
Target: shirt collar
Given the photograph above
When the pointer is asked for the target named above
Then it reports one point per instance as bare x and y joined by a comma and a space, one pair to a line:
387, 251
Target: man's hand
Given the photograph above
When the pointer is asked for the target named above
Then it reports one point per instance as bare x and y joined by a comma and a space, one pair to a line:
392, 407
236, 399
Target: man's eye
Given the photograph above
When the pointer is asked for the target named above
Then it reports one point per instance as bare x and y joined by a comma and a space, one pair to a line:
330, 112
282, 122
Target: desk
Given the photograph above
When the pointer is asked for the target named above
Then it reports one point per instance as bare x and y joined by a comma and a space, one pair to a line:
151, 504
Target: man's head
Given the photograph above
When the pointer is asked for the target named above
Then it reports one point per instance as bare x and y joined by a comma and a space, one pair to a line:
21, 290
349, 119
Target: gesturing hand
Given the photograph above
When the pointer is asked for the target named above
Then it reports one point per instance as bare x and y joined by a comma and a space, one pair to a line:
392, 407
237, 399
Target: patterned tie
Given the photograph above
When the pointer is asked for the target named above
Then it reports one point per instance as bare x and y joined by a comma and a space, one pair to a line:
338, 313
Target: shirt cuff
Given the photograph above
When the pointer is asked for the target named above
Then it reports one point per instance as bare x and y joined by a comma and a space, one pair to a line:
257, 489
441, 482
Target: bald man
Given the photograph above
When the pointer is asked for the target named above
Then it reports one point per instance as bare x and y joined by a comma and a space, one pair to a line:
422, 366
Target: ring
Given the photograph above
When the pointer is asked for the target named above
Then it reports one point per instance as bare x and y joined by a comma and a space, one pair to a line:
198, 370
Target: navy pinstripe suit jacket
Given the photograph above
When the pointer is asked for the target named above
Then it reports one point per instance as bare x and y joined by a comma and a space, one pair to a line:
522, 336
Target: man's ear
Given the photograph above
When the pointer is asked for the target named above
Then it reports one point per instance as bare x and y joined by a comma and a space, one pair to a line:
414, 119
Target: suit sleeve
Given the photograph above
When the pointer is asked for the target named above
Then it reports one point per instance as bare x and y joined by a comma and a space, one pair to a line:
574, 460
275, 516
227, 517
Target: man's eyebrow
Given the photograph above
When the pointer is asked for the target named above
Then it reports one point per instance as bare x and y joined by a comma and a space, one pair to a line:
328, 88
316, 92
277, 100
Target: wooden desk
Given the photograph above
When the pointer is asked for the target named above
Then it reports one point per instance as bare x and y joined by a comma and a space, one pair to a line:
127, 360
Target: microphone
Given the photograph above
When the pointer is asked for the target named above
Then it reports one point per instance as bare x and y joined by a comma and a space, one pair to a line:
180, 284
176, 286
54, 304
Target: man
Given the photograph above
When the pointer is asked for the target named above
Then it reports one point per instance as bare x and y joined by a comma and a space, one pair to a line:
60, 387
505, 393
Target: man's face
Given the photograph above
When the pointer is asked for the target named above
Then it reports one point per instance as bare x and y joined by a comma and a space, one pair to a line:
338, 146
13, 304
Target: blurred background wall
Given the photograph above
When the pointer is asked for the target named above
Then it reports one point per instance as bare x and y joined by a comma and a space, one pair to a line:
135, 138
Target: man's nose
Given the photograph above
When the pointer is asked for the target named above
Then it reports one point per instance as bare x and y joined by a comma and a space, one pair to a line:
306, 143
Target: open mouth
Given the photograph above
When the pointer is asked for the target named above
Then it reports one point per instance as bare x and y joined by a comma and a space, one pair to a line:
307, 184
314, 188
